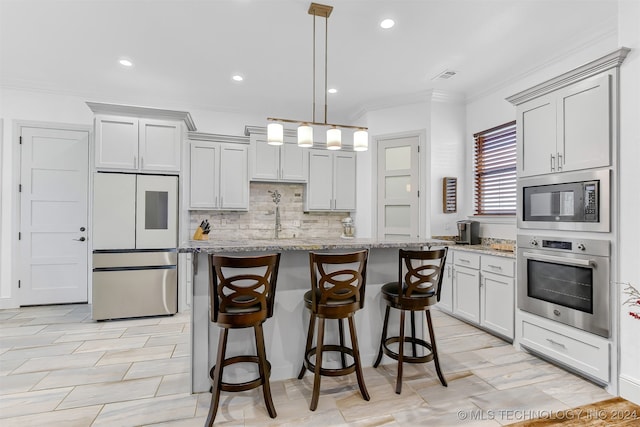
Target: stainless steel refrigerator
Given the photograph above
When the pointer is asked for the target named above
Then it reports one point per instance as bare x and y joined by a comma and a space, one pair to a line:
135, 229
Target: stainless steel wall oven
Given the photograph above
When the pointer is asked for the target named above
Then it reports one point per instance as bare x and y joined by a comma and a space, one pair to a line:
565, 279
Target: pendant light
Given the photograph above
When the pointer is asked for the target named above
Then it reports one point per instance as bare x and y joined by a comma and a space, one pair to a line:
275, 129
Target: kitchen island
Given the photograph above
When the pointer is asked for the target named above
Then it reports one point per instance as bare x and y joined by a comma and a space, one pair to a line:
285, 332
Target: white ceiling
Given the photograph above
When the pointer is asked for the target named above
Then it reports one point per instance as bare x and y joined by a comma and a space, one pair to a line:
186, 51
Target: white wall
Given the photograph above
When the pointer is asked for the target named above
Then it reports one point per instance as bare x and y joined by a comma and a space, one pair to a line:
629, 239
29, 106
490, 109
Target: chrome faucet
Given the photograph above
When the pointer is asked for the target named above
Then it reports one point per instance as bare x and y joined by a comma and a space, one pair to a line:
275, 195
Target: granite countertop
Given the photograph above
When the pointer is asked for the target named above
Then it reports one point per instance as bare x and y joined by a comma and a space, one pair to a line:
301, 244
487, 250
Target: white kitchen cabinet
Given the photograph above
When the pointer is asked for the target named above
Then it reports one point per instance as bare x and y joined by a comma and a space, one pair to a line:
466, 293
219, 178
124, 143
497, 295
567, 129
332, 181
573, 348
482, 290
446, 291
277, 163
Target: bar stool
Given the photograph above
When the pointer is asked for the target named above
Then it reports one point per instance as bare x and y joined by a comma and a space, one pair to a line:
419, 291
242, 293
338, 284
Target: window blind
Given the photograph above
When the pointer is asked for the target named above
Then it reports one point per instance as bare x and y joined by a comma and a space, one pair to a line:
495, 170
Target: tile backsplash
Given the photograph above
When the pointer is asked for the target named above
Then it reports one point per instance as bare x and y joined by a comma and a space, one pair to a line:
259, 222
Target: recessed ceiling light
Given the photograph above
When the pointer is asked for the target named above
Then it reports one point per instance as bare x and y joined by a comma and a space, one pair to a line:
333, 90
237, 78
387, 23
125, 62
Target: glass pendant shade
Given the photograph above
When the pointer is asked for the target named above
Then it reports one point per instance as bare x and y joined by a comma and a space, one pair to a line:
275, 134
305, 136
334, 139
360, 140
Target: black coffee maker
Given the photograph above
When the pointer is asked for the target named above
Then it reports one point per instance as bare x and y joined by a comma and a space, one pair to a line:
468, 232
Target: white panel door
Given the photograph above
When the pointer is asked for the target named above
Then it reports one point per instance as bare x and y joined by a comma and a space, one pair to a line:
234, 176
294, 163
586, 133
398, 185
159, 145
116, 143
53, 203
344, 184
204, 174
265, 160
114, 211
320, 187
536, 133
156, 212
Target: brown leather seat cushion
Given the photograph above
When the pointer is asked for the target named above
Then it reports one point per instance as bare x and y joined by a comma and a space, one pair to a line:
393, 290
307, 299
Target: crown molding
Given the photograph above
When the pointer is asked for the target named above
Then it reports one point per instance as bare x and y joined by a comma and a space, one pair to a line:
214, 137
612, 60
144, 112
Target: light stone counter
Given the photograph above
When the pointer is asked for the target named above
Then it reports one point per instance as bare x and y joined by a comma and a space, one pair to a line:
285, 332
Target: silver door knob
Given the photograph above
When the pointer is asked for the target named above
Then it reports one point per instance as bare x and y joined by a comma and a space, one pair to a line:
82, 239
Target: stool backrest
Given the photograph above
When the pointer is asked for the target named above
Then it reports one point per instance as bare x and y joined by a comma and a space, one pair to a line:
423, 271
338, 277
242, 287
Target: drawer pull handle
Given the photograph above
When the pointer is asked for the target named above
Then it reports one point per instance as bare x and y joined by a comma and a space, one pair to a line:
559, 344
464, 260
497, 267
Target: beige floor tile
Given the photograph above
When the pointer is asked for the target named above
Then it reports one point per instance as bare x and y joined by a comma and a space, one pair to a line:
160, 329
28, 341
136, 355
573, 391
32, 402
175, 384
77, 417
91, 336
160, 367
20, 331
453, 413
19, 383
147, 411
40, 351
82, 376
94, 394
114, 344
518, 374
50, 363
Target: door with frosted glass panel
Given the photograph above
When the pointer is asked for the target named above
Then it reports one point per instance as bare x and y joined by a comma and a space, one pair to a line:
398, 185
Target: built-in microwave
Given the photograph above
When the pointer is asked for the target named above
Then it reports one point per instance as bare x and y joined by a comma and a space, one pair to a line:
567, 201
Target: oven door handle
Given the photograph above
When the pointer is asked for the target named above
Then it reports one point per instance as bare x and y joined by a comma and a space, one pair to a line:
560, 260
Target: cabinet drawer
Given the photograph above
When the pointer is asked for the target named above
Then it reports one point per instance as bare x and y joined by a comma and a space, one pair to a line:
497, 265
466, 259
588, 354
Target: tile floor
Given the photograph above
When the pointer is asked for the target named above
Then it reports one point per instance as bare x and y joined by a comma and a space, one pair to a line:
60, 368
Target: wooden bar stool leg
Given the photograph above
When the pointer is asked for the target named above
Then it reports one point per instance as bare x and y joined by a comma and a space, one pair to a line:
400, 353
413, 333
342, 354
263, 368
356, 359
384, 336
432, 337
217, 377
316, 377
312, 325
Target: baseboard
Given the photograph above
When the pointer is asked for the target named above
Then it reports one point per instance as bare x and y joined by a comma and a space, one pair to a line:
8, 303
630, 389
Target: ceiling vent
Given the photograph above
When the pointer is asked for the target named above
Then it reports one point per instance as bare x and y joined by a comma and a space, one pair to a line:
446, 74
